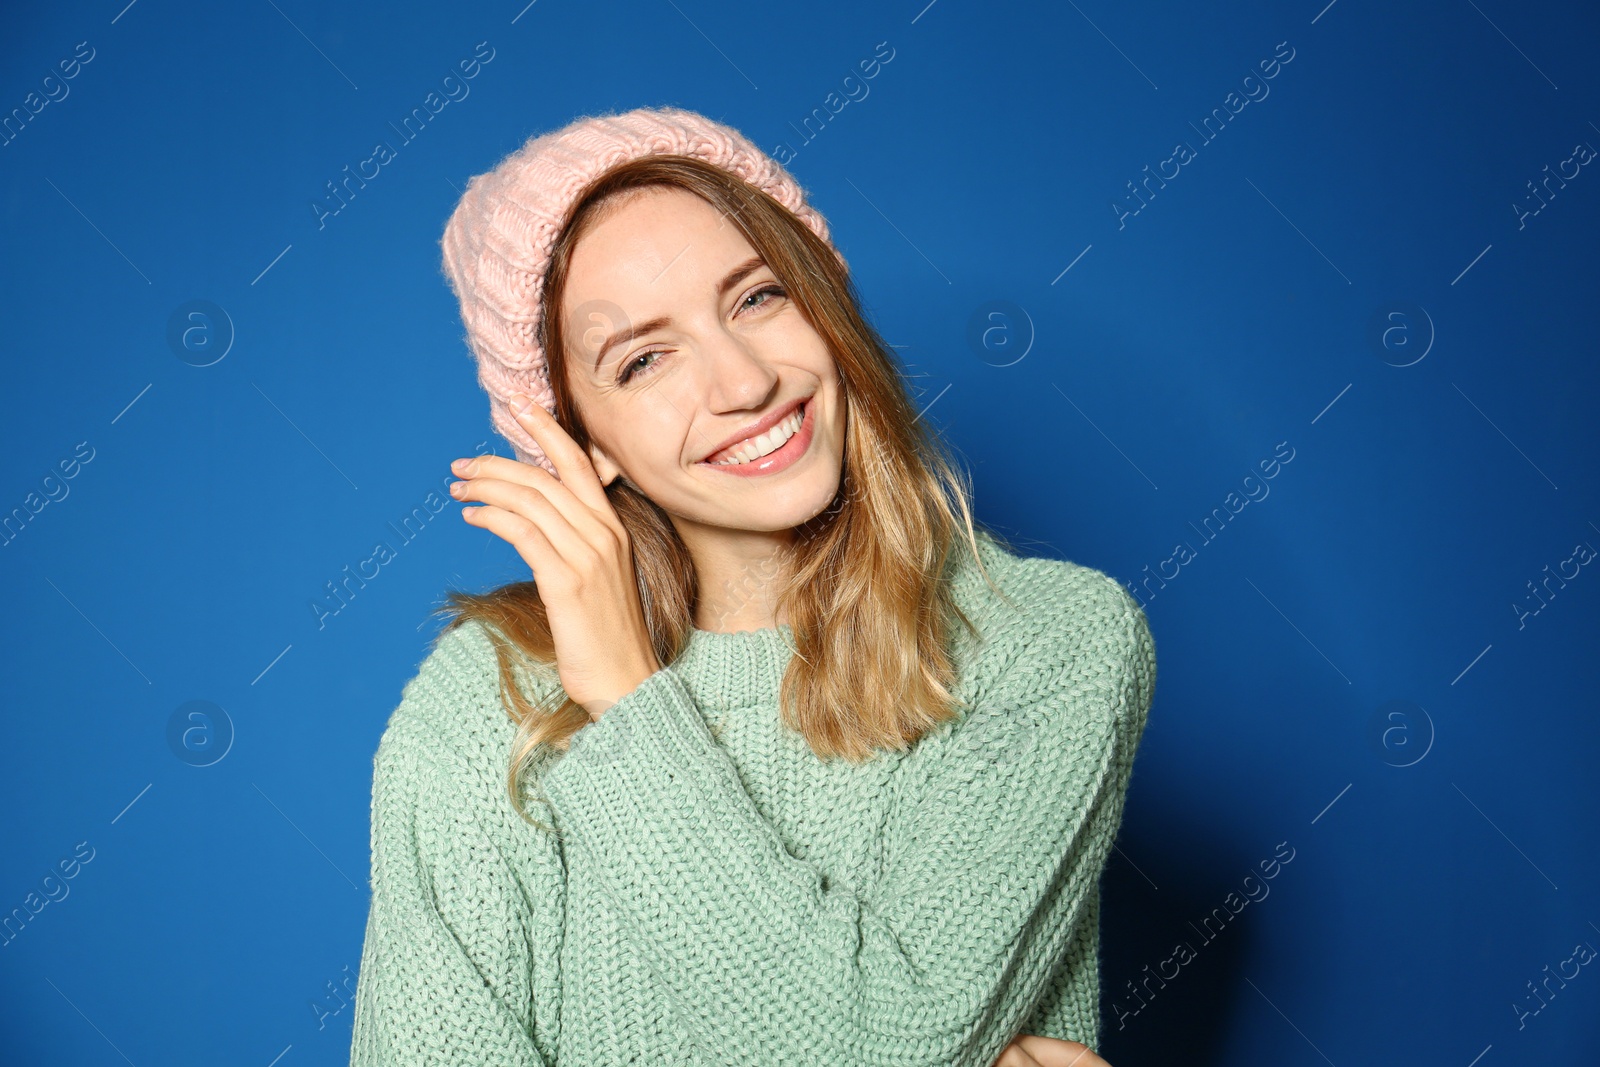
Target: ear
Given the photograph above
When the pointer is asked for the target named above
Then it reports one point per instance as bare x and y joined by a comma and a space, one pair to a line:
605, 468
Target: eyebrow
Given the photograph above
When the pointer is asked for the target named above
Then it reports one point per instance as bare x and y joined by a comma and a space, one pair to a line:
734, 277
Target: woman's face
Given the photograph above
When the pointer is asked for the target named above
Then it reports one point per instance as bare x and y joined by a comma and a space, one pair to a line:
679, 340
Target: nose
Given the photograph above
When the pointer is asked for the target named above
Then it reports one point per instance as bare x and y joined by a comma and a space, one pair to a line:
740, 378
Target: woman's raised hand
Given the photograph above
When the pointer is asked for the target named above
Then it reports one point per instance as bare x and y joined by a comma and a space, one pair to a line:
1029, 1050
580, 554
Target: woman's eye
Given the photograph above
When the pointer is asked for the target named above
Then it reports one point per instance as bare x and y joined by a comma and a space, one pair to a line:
766, 290
633, 366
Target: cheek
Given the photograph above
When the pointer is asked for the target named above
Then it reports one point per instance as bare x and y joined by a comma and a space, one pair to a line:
810, 354
653, 435
802, 338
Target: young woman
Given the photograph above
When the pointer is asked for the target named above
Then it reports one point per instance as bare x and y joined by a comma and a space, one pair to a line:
777, 759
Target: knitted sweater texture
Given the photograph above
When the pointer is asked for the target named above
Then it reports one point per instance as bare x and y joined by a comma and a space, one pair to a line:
713, 893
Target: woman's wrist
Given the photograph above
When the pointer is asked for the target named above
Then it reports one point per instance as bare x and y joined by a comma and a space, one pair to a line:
627, 681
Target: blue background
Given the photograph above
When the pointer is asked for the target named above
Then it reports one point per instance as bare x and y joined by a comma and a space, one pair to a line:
1342, 270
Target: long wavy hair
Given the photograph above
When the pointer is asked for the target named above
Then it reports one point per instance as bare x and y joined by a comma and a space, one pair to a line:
863, 586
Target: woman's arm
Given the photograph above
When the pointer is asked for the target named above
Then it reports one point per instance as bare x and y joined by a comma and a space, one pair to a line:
990, 854
461, 895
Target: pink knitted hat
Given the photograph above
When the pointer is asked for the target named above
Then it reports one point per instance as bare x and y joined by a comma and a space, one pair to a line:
498, 241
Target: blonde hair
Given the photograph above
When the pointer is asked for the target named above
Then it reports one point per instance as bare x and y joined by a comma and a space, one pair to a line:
864, 586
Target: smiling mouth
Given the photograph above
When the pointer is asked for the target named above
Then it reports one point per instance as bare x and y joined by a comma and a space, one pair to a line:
756, 448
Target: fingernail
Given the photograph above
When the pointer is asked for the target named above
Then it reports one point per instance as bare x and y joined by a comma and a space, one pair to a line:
520, 404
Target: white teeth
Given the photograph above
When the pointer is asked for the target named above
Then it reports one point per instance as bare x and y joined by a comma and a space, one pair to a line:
766, 443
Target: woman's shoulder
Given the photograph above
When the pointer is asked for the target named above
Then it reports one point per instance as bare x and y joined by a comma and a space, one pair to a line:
452, 712
1056, 621
439, 779
456, 679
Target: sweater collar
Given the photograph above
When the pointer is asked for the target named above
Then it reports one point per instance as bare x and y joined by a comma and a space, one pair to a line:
725, 671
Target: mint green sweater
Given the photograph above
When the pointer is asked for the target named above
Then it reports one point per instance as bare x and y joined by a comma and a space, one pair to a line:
716, 894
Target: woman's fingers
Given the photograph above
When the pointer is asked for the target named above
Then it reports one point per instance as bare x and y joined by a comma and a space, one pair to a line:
572, 463
1014, 1055
543, 501
1053, 1052
530, 542
534, 477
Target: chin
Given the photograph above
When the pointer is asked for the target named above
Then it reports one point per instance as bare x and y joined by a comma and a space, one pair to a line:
782, 515
769, 510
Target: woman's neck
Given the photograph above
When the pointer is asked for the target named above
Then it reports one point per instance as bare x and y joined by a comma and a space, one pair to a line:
733, 605
737, 573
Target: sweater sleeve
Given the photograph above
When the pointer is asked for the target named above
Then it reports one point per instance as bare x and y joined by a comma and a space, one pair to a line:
998, 836
447, 975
